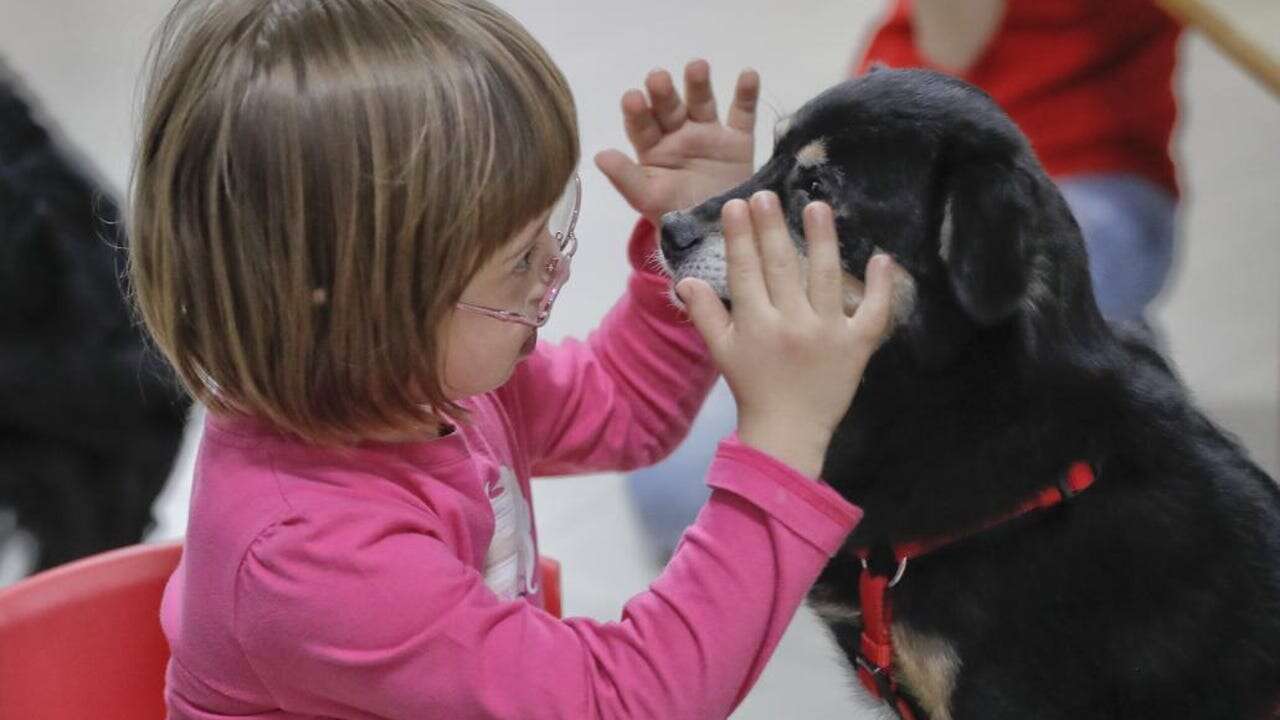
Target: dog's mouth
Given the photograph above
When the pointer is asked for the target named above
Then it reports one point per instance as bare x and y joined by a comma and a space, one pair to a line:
680, 304
854, 292
713, 271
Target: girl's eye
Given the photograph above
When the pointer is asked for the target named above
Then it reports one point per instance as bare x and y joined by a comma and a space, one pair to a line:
526, 261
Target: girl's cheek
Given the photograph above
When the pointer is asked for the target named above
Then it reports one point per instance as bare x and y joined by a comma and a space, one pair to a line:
526, 293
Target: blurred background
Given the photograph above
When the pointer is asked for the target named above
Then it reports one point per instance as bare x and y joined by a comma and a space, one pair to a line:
79, 62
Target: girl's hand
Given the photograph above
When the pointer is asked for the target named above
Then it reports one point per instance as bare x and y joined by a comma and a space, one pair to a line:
792, 357
685, 154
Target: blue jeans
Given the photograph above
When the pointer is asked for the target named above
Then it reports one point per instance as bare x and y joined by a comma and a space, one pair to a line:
1128, 228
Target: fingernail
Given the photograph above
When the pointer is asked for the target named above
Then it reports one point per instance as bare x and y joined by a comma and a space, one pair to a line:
764, 200
733, 207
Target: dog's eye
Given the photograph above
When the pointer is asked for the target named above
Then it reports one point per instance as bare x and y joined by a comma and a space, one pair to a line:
814, 189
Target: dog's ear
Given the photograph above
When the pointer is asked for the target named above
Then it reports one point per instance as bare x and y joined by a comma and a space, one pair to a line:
985, 237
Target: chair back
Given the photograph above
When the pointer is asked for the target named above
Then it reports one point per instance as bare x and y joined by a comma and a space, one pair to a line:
83, 640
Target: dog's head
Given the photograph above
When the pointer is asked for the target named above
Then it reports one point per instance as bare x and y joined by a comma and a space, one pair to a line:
928, 169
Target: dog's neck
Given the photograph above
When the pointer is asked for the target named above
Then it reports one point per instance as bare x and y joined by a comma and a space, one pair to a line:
930, 452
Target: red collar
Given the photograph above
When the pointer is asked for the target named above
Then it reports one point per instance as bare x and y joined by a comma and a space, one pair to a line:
875, 653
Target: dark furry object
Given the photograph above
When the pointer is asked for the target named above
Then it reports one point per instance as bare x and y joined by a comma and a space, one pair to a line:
1156, 593
90, 423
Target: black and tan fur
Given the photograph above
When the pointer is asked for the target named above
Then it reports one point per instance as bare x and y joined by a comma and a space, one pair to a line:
90, 422
1156, 593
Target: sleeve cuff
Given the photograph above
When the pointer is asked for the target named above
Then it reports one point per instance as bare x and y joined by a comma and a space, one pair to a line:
811, 509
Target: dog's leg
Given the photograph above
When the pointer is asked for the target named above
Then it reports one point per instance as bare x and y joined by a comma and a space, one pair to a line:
44, 483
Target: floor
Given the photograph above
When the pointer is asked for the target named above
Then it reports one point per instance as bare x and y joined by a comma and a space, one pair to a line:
1220, 313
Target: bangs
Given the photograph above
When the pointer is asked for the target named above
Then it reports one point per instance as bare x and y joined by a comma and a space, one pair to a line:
318, 182
519, 126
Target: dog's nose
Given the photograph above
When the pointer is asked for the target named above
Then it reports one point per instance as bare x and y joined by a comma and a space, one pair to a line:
680, 233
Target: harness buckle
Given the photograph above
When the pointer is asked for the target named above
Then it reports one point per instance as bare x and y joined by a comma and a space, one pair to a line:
897, 575
883, 687
1064, 487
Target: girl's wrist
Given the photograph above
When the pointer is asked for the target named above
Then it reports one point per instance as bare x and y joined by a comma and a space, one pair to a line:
801, 447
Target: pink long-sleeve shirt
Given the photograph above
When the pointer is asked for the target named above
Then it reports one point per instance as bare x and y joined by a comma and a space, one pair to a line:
400, 581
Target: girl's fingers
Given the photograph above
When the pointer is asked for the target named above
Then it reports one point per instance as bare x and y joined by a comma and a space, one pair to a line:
637, 117
707, 313
627, 177
742, 113
746, 285
697, 91
870, 321
668, 109
826, 286
781, 266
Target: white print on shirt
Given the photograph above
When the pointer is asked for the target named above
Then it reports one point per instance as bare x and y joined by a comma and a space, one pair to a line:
510, 567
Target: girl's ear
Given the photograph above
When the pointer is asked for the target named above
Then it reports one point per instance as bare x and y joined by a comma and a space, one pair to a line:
986, 235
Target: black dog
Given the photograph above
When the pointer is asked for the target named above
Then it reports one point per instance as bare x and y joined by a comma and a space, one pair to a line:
90, 423
1154, 592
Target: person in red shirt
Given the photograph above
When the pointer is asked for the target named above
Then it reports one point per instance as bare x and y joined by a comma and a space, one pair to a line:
1090, 82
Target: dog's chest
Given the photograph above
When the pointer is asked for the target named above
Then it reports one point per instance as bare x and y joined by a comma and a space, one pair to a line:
927, 665
924, 663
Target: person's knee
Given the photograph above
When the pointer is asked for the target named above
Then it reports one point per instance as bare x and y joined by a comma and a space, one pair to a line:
1128, 233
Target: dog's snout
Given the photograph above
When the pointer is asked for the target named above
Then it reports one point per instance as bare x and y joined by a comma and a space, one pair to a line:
680, 233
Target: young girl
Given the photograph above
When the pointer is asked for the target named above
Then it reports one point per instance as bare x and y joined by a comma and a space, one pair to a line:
349, 218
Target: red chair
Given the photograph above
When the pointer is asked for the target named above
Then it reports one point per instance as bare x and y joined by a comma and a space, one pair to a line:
83, 640
549, 570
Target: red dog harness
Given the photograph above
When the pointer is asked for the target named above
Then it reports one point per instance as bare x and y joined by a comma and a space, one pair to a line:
875, 652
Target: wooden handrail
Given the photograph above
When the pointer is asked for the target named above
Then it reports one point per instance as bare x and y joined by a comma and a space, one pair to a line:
1245, 52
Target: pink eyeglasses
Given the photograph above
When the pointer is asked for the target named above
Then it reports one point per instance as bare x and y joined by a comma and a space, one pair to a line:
561, 222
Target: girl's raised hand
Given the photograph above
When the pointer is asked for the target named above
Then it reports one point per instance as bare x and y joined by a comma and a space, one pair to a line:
684, 154
791, 355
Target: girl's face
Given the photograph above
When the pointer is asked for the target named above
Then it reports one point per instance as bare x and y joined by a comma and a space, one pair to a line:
481, 352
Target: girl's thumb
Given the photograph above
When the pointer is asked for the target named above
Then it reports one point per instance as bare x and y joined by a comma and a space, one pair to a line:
705, 310
627, 177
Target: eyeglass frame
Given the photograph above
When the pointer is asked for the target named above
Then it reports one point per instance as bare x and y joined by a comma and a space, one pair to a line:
555, 274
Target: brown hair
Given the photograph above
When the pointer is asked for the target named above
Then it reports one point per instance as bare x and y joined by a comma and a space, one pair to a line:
315, 184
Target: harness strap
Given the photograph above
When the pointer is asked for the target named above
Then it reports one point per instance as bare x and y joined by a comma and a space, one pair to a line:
875, 647
1078, 478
